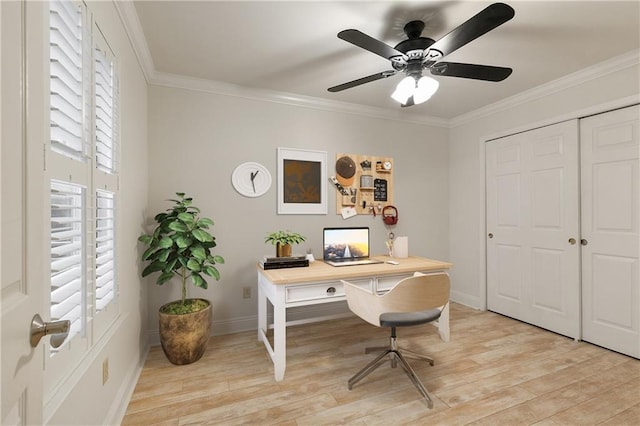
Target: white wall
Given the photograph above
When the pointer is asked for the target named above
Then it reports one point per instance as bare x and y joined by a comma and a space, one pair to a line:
466, 156
87, 401
196, 139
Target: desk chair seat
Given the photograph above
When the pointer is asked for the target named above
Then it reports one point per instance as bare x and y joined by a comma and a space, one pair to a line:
412, 301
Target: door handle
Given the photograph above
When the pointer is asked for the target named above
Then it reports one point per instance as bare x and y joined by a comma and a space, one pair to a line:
490, 235
58, 330
572, 241
584, 242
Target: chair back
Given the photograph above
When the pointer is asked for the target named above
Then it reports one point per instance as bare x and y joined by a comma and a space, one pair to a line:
418, 293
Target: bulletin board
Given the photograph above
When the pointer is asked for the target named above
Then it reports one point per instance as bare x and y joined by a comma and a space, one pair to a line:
363, 182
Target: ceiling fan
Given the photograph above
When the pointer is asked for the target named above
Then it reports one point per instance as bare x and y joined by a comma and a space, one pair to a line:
418, 53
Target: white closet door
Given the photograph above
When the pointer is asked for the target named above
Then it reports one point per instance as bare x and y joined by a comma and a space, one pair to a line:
532, 225
611, 230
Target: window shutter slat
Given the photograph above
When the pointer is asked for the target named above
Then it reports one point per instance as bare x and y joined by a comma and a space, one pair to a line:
105, 245
67, 251
67, 90
106, 136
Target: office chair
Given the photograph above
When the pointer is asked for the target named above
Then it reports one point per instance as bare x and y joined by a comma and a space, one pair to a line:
412, 301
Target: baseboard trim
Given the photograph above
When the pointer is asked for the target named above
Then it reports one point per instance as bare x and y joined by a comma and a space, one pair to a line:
295, 316
119, 408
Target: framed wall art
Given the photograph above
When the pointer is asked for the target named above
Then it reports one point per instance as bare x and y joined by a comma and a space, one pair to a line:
302, 181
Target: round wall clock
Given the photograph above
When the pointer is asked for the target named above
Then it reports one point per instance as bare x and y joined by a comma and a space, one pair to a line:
251, 179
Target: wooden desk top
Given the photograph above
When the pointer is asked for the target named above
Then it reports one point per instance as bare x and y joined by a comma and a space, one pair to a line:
320, 271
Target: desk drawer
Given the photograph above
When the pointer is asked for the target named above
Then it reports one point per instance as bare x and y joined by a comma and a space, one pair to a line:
327, 290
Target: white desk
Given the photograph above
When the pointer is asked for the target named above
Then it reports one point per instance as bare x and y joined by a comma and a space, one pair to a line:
320, 283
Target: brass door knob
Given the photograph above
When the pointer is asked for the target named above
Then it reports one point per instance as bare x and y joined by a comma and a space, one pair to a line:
584, 242
490, 235
572, 241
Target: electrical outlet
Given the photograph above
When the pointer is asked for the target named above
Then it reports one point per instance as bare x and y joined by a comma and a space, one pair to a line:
105, 370
246, 292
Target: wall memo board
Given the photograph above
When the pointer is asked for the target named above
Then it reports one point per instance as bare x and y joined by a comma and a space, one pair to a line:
368, 181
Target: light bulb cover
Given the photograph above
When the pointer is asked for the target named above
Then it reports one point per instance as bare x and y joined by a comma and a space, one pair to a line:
425, 88
404, 90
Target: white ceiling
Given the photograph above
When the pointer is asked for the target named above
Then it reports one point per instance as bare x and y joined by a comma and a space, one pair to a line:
291, 47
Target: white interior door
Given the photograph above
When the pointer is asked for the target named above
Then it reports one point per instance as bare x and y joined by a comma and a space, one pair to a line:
23, 244
610, 151
532, 226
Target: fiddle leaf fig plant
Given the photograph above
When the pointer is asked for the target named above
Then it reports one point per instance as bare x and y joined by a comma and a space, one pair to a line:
180, 245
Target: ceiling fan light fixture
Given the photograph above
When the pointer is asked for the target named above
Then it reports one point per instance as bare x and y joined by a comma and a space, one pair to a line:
404, 90
425, 88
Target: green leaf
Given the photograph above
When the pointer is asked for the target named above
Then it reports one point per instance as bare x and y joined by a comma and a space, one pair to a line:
148, 253
178, 226
193, 265
201, 235
199, 253
160, 217
198, 281
164, 255
165, 242
180, 194
164, 277
170, 265
146, 239
205, 222
152, 267
218, 259
186, 217
211, 271
183, 241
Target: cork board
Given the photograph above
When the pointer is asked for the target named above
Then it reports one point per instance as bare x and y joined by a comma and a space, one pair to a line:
367, 179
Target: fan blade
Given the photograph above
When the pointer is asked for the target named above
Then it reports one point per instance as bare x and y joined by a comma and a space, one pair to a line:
363, 80
366, 42
486, 20
476, 72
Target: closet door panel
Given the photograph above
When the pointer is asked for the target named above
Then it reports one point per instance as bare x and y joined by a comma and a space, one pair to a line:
610, 152
507, 283
532, 214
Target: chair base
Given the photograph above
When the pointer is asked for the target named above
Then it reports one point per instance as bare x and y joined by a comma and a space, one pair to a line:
394, 355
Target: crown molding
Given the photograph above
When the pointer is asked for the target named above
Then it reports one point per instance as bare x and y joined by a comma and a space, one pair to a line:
618, 63
131, 23
228, 89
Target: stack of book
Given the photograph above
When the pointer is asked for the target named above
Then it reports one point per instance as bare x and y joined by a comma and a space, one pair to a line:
283, 262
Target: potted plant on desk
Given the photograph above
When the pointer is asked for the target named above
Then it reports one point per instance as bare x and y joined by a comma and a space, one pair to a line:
283, 240
180, 247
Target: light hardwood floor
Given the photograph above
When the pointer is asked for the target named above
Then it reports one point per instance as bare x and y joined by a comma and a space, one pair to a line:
494, 371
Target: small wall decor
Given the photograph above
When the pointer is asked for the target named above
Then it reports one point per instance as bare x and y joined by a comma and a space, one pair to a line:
364, 183
251, 179
302, 181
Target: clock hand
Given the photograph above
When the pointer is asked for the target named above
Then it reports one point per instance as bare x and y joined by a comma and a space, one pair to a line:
253, 176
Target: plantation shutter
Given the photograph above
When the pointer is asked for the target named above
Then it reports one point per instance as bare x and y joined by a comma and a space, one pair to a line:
105, 112
67, 254
66, 80
105, 244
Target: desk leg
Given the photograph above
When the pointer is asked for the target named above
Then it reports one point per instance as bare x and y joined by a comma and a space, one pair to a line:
279, 340
443, 324
262, 311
